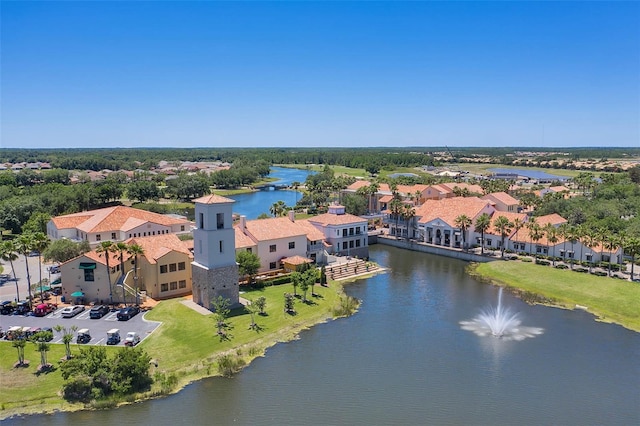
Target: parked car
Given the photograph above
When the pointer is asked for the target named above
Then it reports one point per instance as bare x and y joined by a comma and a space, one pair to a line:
44, 309
98, 311
83, 336
132, 339
71, 311
6, 307
127, 313
113, 336
22, 308
54, 269
14, 332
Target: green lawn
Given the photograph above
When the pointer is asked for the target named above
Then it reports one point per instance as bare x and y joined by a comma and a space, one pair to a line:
185, 345
610, 299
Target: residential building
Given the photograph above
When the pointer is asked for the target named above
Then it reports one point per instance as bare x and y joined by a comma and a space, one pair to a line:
114, 224
344, 233
502, 201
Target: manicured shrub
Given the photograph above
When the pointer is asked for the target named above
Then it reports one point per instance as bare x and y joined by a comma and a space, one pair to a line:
542, 262
526, 259
561, 266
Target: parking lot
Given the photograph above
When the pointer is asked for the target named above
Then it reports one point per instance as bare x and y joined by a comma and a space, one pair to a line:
98, 327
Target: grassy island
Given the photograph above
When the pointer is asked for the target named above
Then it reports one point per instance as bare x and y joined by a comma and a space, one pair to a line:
610, 300
185, 348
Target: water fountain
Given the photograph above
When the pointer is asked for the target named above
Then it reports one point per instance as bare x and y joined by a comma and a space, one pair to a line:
500, 322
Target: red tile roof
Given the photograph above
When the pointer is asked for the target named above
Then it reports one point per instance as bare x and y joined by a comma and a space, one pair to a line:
213, 199
157, 246
448, 209
120, 218
336, 219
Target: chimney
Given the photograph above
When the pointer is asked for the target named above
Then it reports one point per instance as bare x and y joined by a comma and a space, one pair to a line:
292, 215
243, 222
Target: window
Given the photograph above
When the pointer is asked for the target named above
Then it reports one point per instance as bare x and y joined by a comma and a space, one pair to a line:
182, 227
88, 275
173, 285
272, 265
272, 248
173, 267
488, 241
181, 266
351, 244
164, 287
220, 220
182, 284
201, 221
357, 243
163, 269
221, 246
350, 231
113, 235
98, 237
292, 245
249, 250
344, 245
344, 232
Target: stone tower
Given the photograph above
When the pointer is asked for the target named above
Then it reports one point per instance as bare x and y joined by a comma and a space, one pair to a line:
214, 267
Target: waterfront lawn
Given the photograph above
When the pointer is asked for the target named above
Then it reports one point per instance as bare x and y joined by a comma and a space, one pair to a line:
22, 390
610, 299
187, 344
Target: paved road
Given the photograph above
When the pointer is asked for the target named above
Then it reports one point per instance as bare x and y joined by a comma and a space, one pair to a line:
8, 289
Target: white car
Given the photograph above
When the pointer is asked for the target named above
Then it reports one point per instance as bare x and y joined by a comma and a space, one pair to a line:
132, 339
71, 311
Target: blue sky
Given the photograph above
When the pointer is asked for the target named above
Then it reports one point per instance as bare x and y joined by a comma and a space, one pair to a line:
317, 74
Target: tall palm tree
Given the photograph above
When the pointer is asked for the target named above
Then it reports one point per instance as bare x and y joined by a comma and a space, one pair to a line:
551, 233
372, 190
534, 229
504, 226
40, 243
517, 225
135, 250
463, 222
408, 213
9, 253
483, 222
24, 246
632, 248
573, 236
105, 248
396, 208
121, 248
563, 232
610, 242
590, 239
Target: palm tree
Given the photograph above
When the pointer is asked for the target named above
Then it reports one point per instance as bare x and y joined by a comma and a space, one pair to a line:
278, 208
632, 248
563, 232
372, 190
482, 224
610, 242
552, 238
24, 246
135, 250
105, 249
9, 253
121, 248
396, 208
40, 243
590, 240
19, 342
534, 233
463, 222
67, 337
517, 225
408, 213
502, 225
573, 236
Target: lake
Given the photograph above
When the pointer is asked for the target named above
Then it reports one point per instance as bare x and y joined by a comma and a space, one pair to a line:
404, 359
533, 174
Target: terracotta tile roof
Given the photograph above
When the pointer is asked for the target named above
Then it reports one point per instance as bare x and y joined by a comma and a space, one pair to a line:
242, 240
502, 197
448, 209
273, 228
462, 185
213, 199
157, 246
511, 216
358, 184
386, 198
554, 219
296, 260
116, 218
558, 188
313, 233
114, 258
336, 219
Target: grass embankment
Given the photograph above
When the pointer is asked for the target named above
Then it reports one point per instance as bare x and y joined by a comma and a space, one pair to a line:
611, 300
185, 346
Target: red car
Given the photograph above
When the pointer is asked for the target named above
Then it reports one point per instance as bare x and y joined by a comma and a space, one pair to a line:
44, 309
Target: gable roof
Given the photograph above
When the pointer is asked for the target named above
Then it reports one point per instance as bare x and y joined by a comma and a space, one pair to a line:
448, 209
159, 245
502, 197
336, 219
213, 199
273, 228
120, 218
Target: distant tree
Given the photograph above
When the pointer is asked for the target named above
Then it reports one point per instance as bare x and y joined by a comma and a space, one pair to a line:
296, 279
261, 303
396, 208
9, 253
62, 250
40, 244
278, 208
221, 310
289, 303
25, 244
37, 223
41, 339
19, 342
143, 190
354, 204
